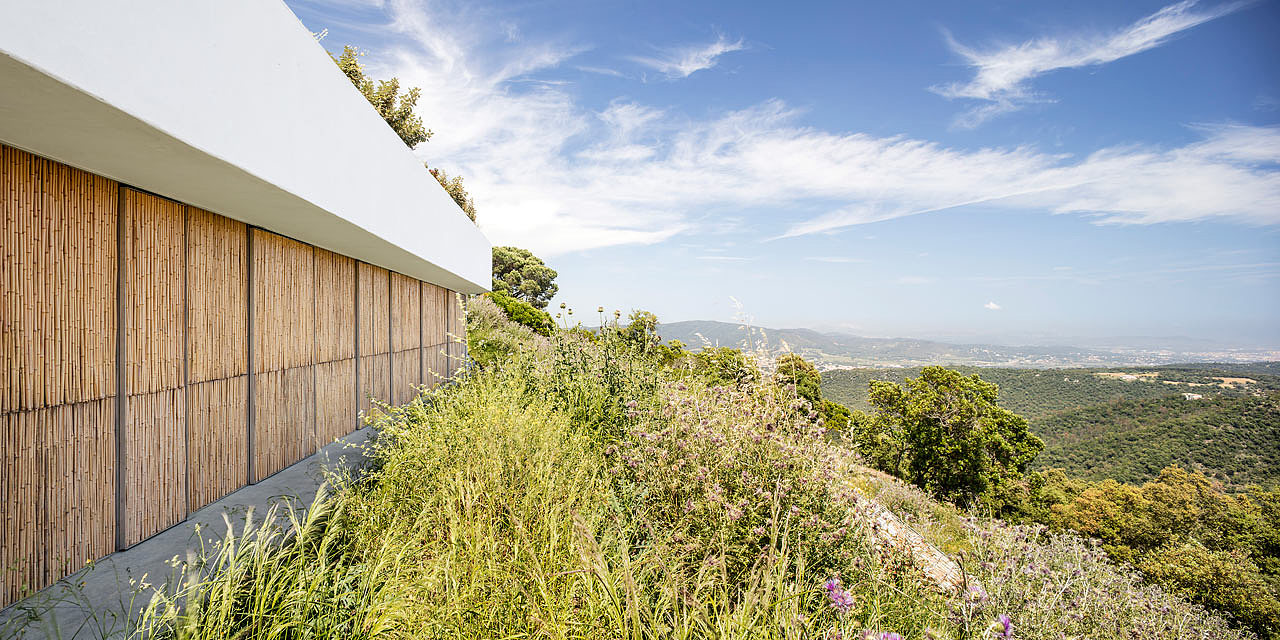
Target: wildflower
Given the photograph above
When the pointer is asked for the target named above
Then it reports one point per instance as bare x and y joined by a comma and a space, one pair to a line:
889, 635
841, 600
1002, 627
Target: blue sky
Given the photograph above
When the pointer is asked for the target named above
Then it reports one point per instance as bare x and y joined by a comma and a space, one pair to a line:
1017, 172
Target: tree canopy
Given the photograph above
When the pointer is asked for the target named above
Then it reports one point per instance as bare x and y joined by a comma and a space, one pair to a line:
944, 432
522, 275
394, 107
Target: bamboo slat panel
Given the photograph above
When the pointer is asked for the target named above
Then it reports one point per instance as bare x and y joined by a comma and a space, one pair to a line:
406, 374
156, 464
57, 490
406, 313
217, 283
153, 293
335, 307
218, 458
375, 379
283, 302
435, 319
457, 357
57, 283
284, 419
375, 310
335, 400
436, 362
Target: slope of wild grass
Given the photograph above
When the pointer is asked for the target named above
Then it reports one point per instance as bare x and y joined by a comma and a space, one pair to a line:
573, 488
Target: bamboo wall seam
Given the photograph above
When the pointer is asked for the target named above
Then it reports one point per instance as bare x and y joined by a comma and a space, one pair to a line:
180, 280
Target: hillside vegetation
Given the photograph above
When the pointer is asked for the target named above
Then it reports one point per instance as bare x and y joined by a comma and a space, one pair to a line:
1233, 439
1038, 393
602, 485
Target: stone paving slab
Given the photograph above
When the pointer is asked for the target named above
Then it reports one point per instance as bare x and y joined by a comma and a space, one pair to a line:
95, 602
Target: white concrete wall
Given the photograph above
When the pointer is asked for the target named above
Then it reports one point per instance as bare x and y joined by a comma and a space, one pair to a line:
229, 105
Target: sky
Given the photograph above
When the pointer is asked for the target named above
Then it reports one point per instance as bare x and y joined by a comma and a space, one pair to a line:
1007, 171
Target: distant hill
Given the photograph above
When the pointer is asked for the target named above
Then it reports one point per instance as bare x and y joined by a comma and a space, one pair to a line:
833, 350
1235, 439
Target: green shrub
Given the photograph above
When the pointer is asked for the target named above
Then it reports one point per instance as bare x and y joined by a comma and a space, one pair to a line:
523, 313
1224, 580
724, 366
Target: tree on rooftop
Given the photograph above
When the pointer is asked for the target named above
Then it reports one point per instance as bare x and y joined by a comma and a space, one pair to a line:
394, 107
453, 186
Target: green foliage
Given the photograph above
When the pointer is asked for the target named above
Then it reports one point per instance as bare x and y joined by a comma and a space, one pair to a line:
1223, 580
1235, 439
835, 416
1182, 530
641, 330
1036, 394
453, 186
523, 313
723, 366
392, 106
492, 337
945, 433
793, 370
522, 275
577, 488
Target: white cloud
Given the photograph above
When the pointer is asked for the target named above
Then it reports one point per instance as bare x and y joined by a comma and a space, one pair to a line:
1002, 74
682, 62
1230, 174
603, 71
834, 259
554, 176
992, 306
915, 280
724, 258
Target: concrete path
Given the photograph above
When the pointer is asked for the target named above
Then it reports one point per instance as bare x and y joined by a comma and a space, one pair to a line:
99, 601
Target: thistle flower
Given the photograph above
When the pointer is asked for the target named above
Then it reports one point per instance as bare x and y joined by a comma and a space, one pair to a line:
1002, 627
841, 600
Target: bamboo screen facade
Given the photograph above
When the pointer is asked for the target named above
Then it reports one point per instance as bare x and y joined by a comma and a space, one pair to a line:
373, 286
158, 357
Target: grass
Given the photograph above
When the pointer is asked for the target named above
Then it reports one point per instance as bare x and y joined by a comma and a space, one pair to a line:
574, 488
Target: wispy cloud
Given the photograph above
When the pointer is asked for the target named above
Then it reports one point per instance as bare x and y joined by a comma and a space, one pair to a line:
1231, 173
682, 62
834, 259
992, 306
725, 258
1002, 75
603, 71
915, 280
554, 175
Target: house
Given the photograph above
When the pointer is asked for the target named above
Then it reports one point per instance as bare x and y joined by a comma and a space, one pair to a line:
1192, 396
215, 253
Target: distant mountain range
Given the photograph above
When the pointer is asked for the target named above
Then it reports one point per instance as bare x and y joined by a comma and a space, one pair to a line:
835, 350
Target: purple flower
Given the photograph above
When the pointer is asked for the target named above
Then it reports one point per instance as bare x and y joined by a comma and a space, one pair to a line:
1003, 627
841, 600
889, 635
